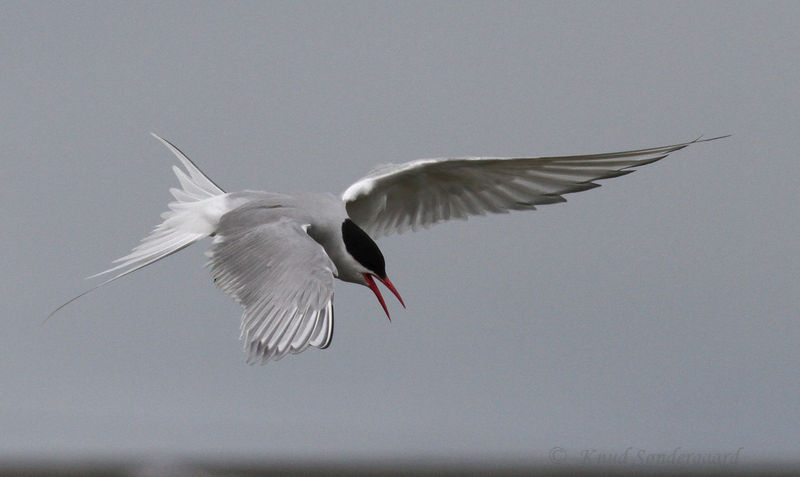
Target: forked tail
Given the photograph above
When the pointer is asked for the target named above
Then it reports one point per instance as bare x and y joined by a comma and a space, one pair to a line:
194, 215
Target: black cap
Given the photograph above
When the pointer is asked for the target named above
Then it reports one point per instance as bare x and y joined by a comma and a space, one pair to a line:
363, 248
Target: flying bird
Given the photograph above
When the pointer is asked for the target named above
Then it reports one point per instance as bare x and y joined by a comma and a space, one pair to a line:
278, 254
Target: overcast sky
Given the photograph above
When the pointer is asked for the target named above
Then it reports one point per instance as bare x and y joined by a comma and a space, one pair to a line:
658, 311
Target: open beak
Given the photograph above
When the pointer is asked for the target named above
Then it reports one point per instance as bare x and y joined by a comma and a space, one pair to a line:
388, 283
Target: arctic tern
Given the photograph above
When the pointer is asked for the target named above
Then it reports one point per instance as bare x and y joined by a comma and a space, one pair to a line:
278, 254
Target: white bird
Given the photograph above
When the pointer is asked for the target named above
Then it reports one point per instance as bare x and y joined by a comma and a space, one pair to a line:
277, 254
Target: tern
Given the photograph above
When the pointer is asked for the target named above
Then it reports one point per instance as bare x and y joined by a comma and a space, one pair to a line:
277, 254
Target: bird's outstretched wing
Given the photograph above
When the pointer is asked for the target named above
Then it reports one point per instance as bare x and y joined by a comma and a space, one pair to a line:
395, 197
281, 276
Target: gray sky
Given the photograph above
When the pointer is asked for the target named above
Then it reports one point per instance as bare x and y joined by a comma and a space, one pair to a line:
659, 311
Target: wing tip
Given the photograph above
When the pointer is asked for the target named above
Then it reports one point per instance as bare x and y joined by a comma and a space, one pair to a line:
329, 317
257, 352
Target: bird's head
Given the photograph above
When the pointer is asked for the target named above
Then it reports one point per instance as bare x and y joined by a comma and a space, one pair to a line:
366, 252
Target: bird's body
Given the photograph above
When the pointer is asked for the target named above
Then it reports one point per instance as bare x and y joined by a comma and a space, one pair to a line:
324, 213
278, 254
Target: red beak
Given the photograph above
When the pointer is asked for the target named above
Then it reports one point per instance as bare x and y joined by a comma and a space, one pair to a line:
388, 283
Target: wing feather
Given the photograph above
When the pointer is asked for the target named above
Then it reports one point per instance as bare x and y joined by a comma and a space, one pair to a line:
282, 278
396, 197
